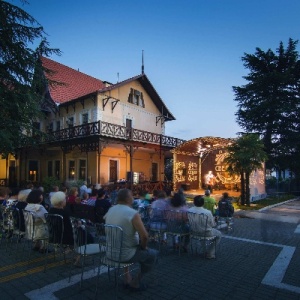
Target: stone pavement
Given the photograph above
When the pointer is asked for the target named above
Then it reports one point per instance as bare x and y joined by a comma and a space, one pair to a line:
260, 259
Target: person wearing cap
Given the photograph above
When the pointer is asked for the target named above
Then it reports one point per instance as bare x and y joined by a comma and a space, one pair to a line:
209, 202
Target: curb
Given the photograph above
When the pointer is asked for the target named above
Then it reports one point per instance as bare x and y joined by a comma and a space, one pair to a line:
277, 204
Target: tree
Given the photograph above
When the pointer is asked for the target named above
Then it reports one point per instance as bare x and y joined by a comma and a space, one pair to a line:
20, 96
269, 103
245, 156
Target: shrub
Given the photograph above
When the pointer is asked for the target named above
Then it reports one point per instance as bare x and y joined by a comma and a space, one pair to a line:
49, 182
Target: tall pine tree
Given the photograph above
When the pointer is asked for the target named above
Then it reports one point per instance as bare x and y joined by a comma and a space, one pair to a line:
269, 103
19, 98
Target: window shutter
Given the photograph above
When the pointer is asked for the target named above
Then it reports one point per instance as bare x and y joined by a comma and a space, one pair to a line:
130, 97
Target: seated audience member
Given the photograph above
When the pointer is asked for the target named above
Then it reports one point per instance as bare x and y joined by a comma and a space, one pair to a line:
154, 196
113, 195
55, 189
225, 206
73, 195
3, 195
58, 204
181, 193
89, 189
21, 204
46, 201
157, 213
162, 202
135, 238
64, 190
92, 199
34, 200
177, 204
210, 230
102, 202
83, 189
209, 202
84, 199
13, 198
141, 201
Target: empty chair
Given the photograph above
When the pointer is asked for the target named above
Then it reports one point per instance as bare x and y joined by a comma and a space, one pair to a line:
55, 224
157, 225
5, 222
15, 230
144, 213
84, 245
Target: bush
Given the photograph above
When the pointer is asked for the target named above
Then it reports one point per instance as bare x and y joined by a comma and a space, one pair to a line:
49, 182
74, 183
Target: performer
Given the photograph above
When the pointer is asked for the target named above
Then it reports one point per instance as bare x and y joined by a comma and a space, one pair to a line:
209, 181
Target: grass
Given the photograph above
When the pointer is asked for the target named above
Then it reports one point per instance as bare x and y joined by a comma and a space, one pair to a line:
270, 200
255, 205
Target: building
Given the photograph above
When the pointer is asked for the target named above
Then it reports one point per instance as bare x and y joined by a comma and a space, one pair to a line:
97, 131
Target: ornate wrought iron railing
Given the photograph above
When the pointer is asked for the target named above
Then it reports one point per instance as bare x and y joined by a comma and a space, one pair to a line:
106, 129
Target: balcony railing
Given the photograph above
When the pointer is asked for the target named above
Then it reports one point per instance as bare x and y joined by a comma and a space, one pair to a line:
114, 131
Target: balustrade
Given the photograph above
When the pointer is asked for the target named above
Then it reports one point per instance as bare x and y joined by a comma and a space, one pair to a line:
112, 130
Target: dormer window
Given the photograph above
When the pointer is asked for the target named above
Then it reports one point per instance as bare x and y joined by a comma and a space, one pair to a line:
136, 97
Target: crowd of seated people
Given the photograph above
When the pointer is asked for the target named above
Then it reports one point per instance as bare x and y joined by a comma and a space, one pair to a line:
68, 202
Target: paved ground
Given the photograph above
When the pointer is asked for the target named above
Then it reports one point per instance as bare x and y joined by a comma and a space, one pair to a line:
260, 259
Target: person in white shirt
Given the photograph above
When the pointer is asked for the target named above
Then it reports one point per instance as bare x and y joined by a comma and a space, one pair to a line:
210, 230
83, 189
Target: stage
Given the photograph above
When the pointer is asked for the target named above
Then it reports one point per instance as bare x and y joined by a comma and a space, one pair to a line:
217, 194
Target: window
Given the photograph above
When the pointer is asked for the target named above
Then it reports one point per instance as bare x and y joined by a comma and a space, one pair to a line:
82, 169
136, 97
70, 122
50, 127
33, 166
71, 169
85, 118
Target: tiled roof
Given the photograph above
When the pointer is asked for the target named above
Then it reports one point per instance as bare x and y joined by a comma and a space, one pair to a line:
75, 83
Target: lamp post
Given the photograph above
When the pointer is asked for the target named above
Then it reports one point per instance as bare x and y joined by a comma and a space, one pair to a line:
200, 171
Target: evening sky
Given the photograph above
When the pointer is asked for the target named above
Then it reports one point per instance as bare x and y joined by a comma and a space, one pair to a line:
192, 48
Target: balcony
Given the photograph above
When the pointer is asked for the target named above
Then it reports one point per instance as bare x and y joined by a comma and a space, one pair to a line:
104, 129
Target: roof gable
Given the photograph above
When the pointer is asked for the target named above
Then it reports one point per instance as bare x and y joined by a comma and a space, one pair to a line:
146, 84
73, 84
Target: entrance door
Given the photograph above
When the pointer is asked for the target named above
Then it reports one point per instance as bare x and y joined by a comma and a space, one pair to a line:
113, 170
154, 171
12, 179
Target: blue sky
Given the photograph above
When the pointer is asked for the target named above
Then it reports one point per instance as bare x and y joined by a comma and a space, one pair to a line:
192, 48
